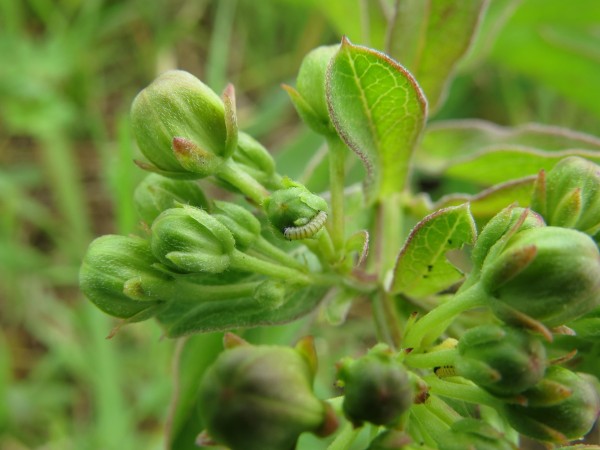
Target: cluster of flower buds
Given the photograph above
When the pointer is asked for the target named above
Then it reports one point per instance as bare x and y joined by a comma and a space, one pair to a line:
504, 361
199, 250
261, 397
530, 271
569, 195
535, 276
562, 407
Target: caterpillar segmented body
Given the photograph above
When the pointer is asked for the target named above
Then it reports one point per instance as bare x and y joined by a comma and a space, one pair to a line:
308, 230
445, 371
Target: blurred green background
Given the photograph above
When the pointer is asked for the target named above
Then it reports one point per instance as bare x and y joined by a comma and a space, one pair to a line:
69, 70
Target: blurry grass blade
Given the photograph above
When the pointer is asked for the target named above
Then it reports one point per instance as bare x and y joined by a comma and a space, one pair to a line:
430, 37
555, 46
123, 177
378, 109
220, 43
61, 166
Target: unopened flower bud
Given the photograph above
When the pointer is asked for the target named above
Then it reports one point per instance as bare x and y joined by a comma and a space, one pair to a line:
569, 195
255, 160
189, 239
294, 207
562, 407
309, 96
179, 125
507, 222
261, 397
157, 193
109, 263
504, 361
550, 274
271, 293
473, 434
242, 224
377, 388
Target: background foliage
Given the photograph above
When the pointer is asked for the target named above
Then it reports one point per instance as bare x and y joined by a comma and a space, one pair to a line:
69, 71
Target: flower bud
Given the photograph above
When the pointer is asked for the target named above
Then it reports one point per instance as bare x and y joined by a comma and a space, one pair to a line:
473, 434
260, 397
504, 361
562, 407
271, 293
255, 160
309, 96
569, 195
550, 274
191, 240
157, 193
504, 224
376, 388
292, 207
109, 263
242, 224
179, 125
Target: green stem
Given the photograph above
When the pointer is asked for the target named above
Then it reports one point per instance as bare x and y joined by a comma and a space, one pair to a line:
432, 359
344, 439
441, 409
434, 323
380, 317
337, 157
275, 253
432, 425
247, 263
391, 233
460, 391
322, 247
232, 174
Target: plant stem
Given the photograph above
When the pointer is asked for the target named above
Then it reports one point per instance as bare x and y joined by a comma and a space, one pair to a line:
269, 250
345, 438
337, 157
391, 234
232, 174
438, 319
432, 359
460, 391
247, 263
380, 317
432, 426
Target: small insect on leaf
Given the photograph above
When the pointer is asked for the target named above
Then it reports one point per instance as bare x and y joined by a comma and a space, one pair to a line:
308, 230
445, 371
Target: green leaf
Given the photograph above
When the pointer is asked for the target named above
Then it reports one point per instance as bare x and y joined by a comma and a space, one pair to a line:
220, 315
444, 141
430, 38
487, 203
422, 268
497, 165
378, 109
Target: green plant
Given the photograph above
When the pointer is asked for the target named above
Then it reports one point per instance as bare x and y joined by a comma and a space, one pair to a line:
427, 274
